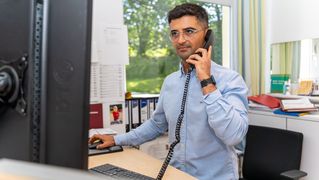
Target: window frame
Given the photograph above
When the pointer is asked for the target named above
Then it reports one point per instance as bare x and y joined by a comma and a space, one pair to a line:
233, 29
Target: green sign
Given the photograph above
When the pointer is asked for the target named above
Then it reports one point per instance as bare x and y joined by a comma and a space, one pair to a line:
277, 82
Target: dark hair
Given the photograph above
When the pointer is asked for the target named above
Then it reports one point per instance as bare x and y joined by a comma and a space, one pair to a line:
188, 9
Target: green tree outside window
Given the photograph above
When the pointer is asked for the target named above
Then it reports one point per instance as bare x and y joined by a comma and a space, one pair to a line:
152, 57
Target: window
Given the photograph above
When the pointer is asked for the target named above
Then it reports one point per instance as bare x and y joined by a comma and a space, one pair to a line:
309, 57
299, 59
152, 57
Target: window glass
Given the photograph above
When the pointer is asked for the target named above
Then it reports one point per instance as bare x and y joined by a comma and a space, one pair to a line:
152, 56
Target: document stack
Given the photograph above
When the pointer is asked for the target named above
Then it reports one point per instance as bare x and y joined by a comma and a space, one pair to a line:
298, 105
263, 102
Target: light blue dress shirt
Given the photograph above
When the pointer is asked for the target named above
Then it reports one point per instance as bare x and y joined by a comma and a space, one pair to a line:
213, 124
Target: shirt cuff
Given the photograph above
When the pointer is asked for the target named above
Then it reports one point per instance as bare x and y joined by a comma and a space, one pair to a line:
120, 139
212, 97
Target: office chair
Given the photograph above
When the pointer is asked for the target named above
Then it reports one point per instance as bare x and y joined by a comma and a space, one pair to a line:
272, 154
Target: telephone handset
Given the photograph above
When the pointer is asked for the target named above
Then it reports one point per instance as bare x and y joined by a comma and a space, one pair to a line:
209, 38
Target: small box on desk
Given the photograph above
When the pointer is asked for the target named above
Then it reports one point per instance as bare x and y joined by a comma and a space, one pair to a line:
277, 82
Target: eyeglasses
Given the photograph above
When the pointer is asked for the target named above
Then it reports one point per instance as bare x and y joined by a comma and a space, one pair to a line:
187, 34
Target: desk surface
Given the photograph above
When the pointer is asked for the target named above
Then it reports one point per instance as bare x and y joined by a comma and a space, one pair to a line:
137, 161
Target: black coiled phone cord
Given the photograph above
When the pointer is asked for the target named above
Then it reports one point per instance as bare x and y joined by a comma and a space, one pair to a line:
177, 130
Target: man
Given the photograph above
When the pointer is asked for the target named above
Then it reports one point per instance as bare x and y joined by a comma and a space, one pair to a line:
215, 118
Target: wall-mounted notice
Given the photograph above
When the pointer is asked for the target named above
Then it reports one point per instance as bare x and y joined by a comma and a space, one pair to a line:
112, 45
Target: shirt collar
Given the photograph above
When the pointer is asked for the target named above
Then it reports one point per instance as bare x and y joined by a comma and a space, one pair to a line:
182, 72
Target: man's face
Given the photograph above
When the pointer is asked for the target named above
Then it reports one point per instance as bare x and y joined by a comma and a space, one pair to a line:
187, 35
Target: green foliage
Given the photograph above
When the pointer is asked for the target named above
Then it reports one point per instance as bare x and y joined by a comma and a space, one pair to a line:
149, 85
152, 57
147, 74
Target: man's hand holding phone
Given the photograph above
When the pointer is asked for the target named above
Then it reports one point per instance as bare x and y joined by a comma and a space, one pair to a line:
107, 140
202, 62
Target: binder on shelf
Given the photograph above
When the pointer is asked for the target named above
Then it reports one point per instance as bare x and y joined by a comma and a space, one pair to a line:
139, 109
156, 101
143, 110
96, 116
135, 113
151, 107
127, 116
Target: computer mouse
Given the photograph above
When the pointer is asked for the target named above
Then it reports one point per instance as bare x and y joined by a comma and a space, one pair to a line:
93, 145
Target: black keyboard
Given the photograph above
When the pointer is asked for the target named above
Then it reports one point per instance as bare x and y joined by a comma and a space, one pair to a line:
118, 173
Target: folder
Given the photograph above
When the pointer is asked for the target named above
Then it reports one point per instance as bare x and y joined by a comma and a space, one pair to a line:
135, 113
151, 107
96, 116
266, 100
143, 110
281, 112
127, 116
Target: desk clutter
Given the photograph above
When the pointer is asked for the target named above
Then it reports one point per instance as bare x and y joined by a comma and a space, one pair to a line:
283, 104
117, 118
280, 83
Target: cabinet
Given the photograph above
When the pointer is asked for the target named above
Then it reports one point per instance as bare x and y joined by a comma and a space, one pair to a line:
310, 157
266, 119
308, 125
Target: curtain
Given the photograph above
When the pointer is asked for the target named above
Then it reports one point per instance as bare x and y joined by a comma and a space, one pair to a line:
257, 46
240, 58
285, 59
251, 44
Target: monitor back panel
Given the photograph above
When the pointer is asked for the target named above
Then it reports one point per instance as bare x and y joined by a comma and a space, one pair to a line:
67, 83
16, 41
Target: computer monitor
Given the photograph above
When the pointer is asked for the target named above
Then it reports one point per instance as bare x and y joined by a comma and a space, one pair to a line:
44, 81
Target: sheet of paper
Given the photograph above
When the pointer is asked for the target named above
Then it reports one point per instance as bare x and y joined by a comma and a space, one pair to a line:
102, 131
112, 82
95, 94
112, 44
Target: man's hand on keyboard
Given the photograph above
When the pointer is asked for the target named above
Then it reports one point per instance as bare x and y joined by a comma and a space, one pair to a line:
107, 140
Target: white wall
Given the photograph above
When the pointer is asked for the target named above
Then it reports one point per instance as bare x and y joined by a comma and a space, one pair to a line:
105, 73
289, 20
292, 20
108, 11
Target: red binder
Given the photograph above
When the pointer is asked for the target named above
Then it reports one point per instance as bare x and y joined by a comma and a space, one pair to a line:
266, 100
96, 116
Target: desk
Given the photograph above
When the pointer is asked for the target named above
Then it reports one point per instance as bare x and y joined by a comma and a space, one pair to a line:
137, 161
